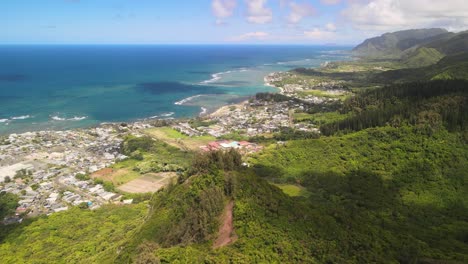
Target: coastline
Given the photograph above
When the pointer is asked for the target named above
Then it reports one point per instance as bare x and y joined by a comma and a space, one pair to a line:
269, 84
223, 110
205, 111
241, 77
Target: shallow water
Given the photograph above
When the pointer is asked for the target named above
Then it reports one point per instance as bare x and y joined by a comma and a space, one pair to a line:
61, 87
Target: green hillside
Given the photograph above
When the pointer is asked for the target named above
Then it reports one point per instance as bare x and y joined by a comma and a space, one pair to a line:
393, 44
455, 44
74, 236
385, 180
448, 68
421, 57
390, 193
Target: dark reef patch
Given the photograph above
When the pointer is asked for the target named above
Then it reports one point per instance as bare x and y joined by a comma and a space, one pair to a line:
237, 99
171, 87
199, 72
12, 77
232, 83
8, 97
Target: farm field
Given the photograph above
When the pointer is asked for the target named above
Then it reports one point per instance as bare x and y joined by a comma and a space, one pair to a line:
177, 139
150, 182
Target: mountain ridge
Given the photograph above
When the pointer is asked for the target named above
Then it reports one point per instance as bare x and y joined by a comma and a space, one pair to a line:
394, 43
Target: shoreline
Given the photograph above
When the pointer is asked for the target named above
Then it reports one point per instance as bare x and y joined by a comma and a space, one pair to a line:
204, 112
167, 116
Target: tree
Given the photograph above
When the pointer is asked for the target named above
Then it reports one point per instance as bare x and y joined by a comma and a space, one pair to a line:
8, 204
7, 179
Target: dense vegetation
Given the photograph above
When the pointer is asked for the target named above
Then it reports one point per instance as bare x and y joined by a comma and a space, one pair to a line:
74, 236
386, 182
8, 204
428, 106
392, 45
392, 194
378, 195
149, 155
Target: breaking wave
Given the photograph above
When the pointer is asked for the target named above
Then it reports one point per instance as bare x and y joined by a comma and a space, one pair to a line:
188, 99
75, 118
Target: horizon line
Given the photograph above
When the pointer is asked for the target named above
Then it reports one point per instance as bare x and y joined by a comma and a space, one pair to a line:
174, 44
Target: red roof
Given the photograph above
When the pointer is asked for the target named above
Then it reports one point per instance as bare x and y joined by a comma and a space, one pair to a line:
244, 143
214, 145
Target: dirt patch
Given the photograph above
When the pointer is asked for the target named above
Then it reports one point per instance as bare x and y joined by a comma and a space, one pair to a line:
116, 176
185, 143
150, 182
104, 174
225, 233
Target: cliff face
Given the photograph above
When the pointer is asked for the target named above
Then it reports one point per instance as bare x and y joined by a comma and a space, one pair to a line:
393, 44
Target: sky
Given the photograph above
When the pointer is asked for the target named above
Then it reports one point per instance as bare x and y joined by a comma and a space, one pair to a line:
315, 22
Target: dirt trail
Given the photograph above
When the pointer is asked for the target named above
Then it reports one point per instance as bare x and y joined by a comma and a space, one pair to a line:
225, 234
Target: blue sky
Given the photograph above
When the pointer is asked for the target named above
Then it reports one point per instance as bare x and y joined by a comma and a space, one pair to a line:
219, 21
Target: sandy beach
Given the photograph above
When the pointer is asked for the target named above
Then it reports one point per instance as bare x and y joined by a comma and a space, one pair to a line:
227, 108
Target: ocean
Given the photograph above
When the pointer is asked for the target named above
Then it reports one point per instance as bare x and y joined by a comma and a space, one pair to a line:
64, 86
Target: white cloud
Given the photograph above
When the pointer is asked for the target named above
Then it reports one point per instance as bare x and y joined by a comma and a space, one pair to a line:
319, 34
391, 15
223, 9
259, 35
257, 12
330, 2
299, 11
330, 27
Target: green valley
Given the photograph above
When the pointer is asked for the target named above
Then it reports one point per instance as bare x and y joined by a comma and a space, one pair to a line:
370, 165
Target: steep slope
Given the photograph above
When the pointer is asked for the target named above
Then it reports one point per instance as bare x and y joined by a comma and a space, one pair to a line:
455, 44
379, 194
448, 68
393, 44
421, 57
74, 236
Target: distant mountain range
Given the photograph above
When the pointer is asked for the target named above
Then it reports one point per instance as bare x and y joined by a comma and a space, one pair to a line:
415, 47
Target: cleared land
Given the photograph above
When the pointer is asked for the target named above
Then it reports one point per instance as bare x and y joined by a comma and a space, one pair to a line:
116, 176
150, 182
293, 190
177, 139
225, 233
319, 118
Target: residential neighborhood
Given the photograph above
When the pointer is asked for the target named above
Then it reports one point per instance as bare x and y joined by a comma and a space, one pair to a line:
49, 170
44, 168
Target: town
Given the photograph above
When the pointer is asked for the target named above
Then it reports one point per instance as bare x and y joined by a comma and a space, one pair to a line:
46, 168
49, 170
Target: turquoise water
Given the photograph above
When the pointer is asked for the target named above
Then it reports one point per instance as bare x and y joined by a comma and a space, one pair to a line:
62, 87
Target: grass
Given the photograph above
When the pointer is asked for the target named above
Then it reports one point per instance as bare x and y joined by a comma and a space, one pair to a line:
293, 190
177, 139
118, 175
321, 93
170, 132
320, 118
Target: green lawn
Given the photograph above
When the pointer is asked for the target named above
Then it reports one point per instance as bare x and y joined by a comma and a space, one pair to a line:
177, 139
320, 118
170, 132
293, 190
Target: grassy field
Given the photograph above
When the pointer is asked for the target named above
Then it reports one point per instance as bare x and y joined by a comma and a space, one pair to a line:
320, 93
177, 139
148, 183
170, 133
319, 118
293, 190
116, 176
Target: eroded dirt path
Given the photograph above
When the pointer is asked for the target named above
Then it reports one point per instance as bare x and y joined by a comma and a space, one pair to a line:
225, 234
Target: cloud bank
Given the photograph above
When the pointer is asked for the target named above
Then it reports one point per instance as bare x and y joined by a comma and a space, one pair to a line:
257, 12
391, 15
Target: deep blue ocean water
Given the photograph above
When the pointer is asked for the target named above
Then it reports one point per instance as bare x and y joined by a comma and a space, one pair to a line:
61, 87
